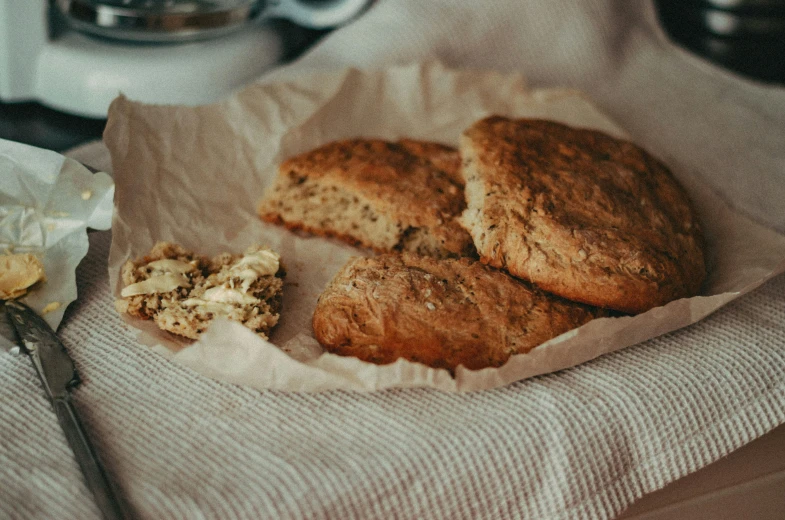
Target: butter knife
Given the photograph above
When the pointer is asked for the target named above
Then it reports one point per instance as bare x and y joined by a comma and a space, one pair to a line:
58, 375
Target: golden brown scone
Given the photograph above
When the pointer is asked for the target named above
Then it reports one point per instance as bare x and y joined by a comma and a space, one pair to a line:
372, 193
583, 215
439, 312
183, 292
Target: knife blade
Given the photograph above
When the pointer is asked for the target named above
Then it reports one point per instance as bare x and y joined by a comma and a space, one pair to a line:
58, 376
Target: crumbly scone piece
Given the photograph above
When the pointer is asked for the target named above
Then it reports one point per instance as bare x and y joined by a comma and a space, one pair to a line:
167, 273
245, 288
382, 195
183, 292
439, 312
19, 272
581, 214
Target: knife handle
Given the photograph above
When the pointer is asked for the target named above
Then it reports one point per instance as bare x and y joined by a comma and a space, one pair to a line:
93, 471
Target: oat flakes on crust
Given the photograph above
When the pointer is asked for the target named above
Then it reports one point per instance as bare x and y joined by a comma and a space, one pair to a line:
583, 215
439, 312
377, 194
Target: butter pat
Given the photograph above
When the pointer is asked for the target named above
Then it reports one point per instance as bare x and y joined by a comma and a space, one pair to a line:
254, 265
17, 273
169, 265
263, 263
166, 274
156, 284
223, 294
220, 300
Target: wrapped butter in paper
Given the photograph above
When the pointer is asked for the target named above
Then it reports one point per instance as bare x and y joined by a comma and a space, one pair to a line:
194, 176
47, 203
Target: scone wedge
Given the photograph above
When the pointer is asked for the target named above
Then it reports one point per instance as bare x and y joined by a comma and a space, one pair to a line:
580, 214
381, 195
439, 312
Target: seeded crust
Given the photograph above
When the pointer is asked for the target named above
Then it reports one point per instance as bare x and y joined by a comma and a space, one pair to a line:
381, 195
444, 157
170, 311
583, 215
439, 312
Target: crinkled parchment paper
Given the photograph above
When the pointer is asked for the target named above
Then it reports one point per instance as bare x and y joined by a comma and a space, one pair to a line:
47, 202
194, 176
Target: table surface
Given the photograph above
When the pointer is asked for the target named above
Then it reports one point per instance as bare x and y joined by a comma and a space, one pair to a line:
750, 483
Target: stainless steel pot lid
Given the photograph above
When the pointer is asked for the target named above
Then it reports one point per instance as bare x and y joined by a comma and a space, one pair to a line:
183, 20
158, 20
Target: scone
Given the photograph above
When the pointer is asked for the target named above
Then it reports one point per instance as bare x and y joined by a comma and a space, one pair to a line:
246, 288
439, 312
444, 157
167, 273
381, 195
581, 214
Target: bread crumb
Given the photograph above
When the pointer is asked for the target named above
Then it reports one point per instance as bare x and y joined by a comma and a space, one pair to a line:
50, 307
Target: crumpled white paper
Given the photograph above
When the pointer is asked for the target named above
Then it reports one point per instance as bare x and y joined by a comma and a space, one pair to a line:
194, 175
47, 202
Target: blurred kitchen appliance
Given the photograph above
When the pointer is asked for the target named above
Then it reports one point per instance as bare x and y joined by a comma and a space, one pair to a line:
77, 55
747, 36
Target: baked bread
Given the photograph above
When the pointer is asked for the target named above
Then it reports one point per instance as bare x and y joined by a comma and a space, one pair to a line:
581, 214
183, 292
444, 157
167, 273
439, 312
381, 195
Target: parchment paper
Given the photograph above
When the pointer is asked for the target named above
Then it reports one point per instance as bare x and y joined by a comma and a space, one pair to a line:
194, 175
47, 202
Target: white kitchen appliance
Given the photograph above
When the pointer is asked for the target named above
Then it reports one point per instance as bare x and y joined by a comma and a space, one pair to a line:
78, 55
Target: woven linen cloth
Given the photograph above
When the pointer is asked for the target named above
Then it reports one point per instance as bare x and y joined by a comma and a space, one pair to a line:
580, 443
